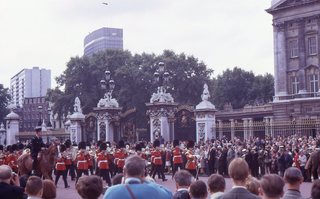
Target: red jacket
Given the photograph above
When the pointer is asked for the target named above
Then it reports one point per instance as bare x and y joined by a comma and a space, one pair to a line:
191, 161
157, 159
119, 157
177, 156
82, 161
103, 160
61, 165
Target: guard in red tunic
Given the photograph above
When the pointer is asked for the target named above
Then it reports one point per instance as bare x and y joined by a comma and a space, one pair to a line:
176, 157
2, 156
61, 169
82, 160
157, 160
68, 160
103, 163
11, 159
191, 164
120, 156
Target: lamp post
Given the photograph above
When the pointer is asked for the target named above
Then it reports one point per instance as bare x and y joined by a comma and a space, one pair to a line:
40, 115
108, 85
49, 125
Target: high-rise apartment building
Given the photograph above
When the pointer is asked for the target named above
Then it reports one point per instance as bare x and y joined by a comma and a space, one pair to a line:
103, 39
29, 83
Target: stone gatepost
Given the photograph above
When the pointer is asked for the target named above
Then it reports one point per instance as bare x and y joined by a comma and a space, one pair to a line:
76, 121
2, 134
205, 117
107, 118
161, 122
12, 128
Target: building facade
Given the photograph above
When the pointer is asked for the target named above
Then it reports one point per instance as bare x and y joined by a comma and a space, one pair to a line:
103, 39
29, 83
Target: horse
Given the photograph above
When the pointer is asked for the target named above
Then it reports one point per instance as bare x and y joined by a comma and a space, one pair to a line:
46, 161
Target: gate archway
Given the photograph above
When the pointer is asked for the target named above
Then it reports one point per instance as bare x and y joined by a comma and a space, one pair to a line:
185, 124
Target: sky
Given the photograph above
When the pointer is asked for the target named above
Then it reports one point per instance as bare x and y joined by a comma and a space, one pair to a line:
223, 34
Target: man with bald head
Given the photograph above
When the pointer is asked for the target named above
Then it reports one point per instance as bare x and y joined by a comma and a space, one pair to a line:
9, 184
135, 185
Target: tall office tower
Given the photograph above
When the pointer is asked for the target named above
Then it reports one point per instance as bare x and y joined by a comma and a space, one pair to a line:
29, 83
103, 39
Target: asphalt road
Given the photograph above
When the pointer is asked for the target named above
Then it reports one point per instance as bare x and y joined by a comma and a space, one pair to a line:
71, 193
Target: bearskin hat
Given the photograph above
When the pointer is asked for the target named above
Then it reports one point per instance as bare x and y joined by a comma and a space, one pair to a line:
121, 144
14, 147
190, 144
62, 147
108, 144
67, 143
156, 143
1, 147
138, 147
82, 145
99, 143
20, 146
175, 143
103, 146
142, 145
8, 148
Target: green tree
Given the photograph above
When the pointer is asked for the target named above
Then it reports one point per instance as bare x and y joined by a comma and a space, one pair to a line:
133, 75
4, 102
240, 87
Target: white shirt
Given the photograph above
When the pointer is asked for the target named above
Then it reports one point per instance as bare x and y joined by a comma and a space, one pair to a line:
303, 160
216, 195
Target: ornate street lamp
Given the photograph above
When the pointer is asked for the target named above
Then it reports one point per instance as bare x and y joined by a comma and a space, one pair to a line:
40, 115
108, 85
161, 77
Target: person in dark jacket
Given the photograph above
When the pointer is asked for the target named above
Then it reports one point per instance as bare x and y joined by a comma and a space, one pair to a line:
183, 181
36, 145
9, 184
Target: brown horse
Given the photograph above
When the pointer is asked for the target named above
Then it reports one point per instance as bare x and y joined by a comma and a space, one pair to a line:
46, 161
24, 164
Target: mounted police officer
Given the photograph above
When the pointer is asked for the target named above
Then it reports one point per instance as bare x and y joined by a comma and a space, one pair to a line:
36, 146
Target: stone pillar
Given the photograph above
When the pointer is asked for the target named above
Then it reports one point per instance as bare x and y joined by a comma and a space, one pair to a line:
12, 128
245, 128
205, 121
280, 59
271, 126
75, 129
161, 120
2, 134
106, 119
302, 57
267, 126
250, 124
220, 129
232, 125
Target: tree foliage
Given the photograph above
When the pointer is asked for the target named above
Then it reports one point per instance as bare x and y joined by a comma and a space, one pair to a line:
133, 75
240, 87
4, 102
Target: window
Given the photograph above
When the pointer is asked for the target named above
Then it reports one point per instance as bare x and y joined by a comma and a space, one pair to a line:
295, 85
314, 83
312, 45
293, 48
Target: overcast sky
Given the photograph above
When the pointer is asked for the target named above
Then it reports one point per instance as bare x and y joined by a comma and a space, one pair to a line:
222, 34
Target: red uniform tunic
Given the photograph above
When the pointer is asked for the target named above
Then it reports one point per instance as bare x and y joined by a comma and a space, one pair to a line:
11, 160
103, 160
119, 156
61, 165
82, 161
157, 160
191, 161
177, 157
